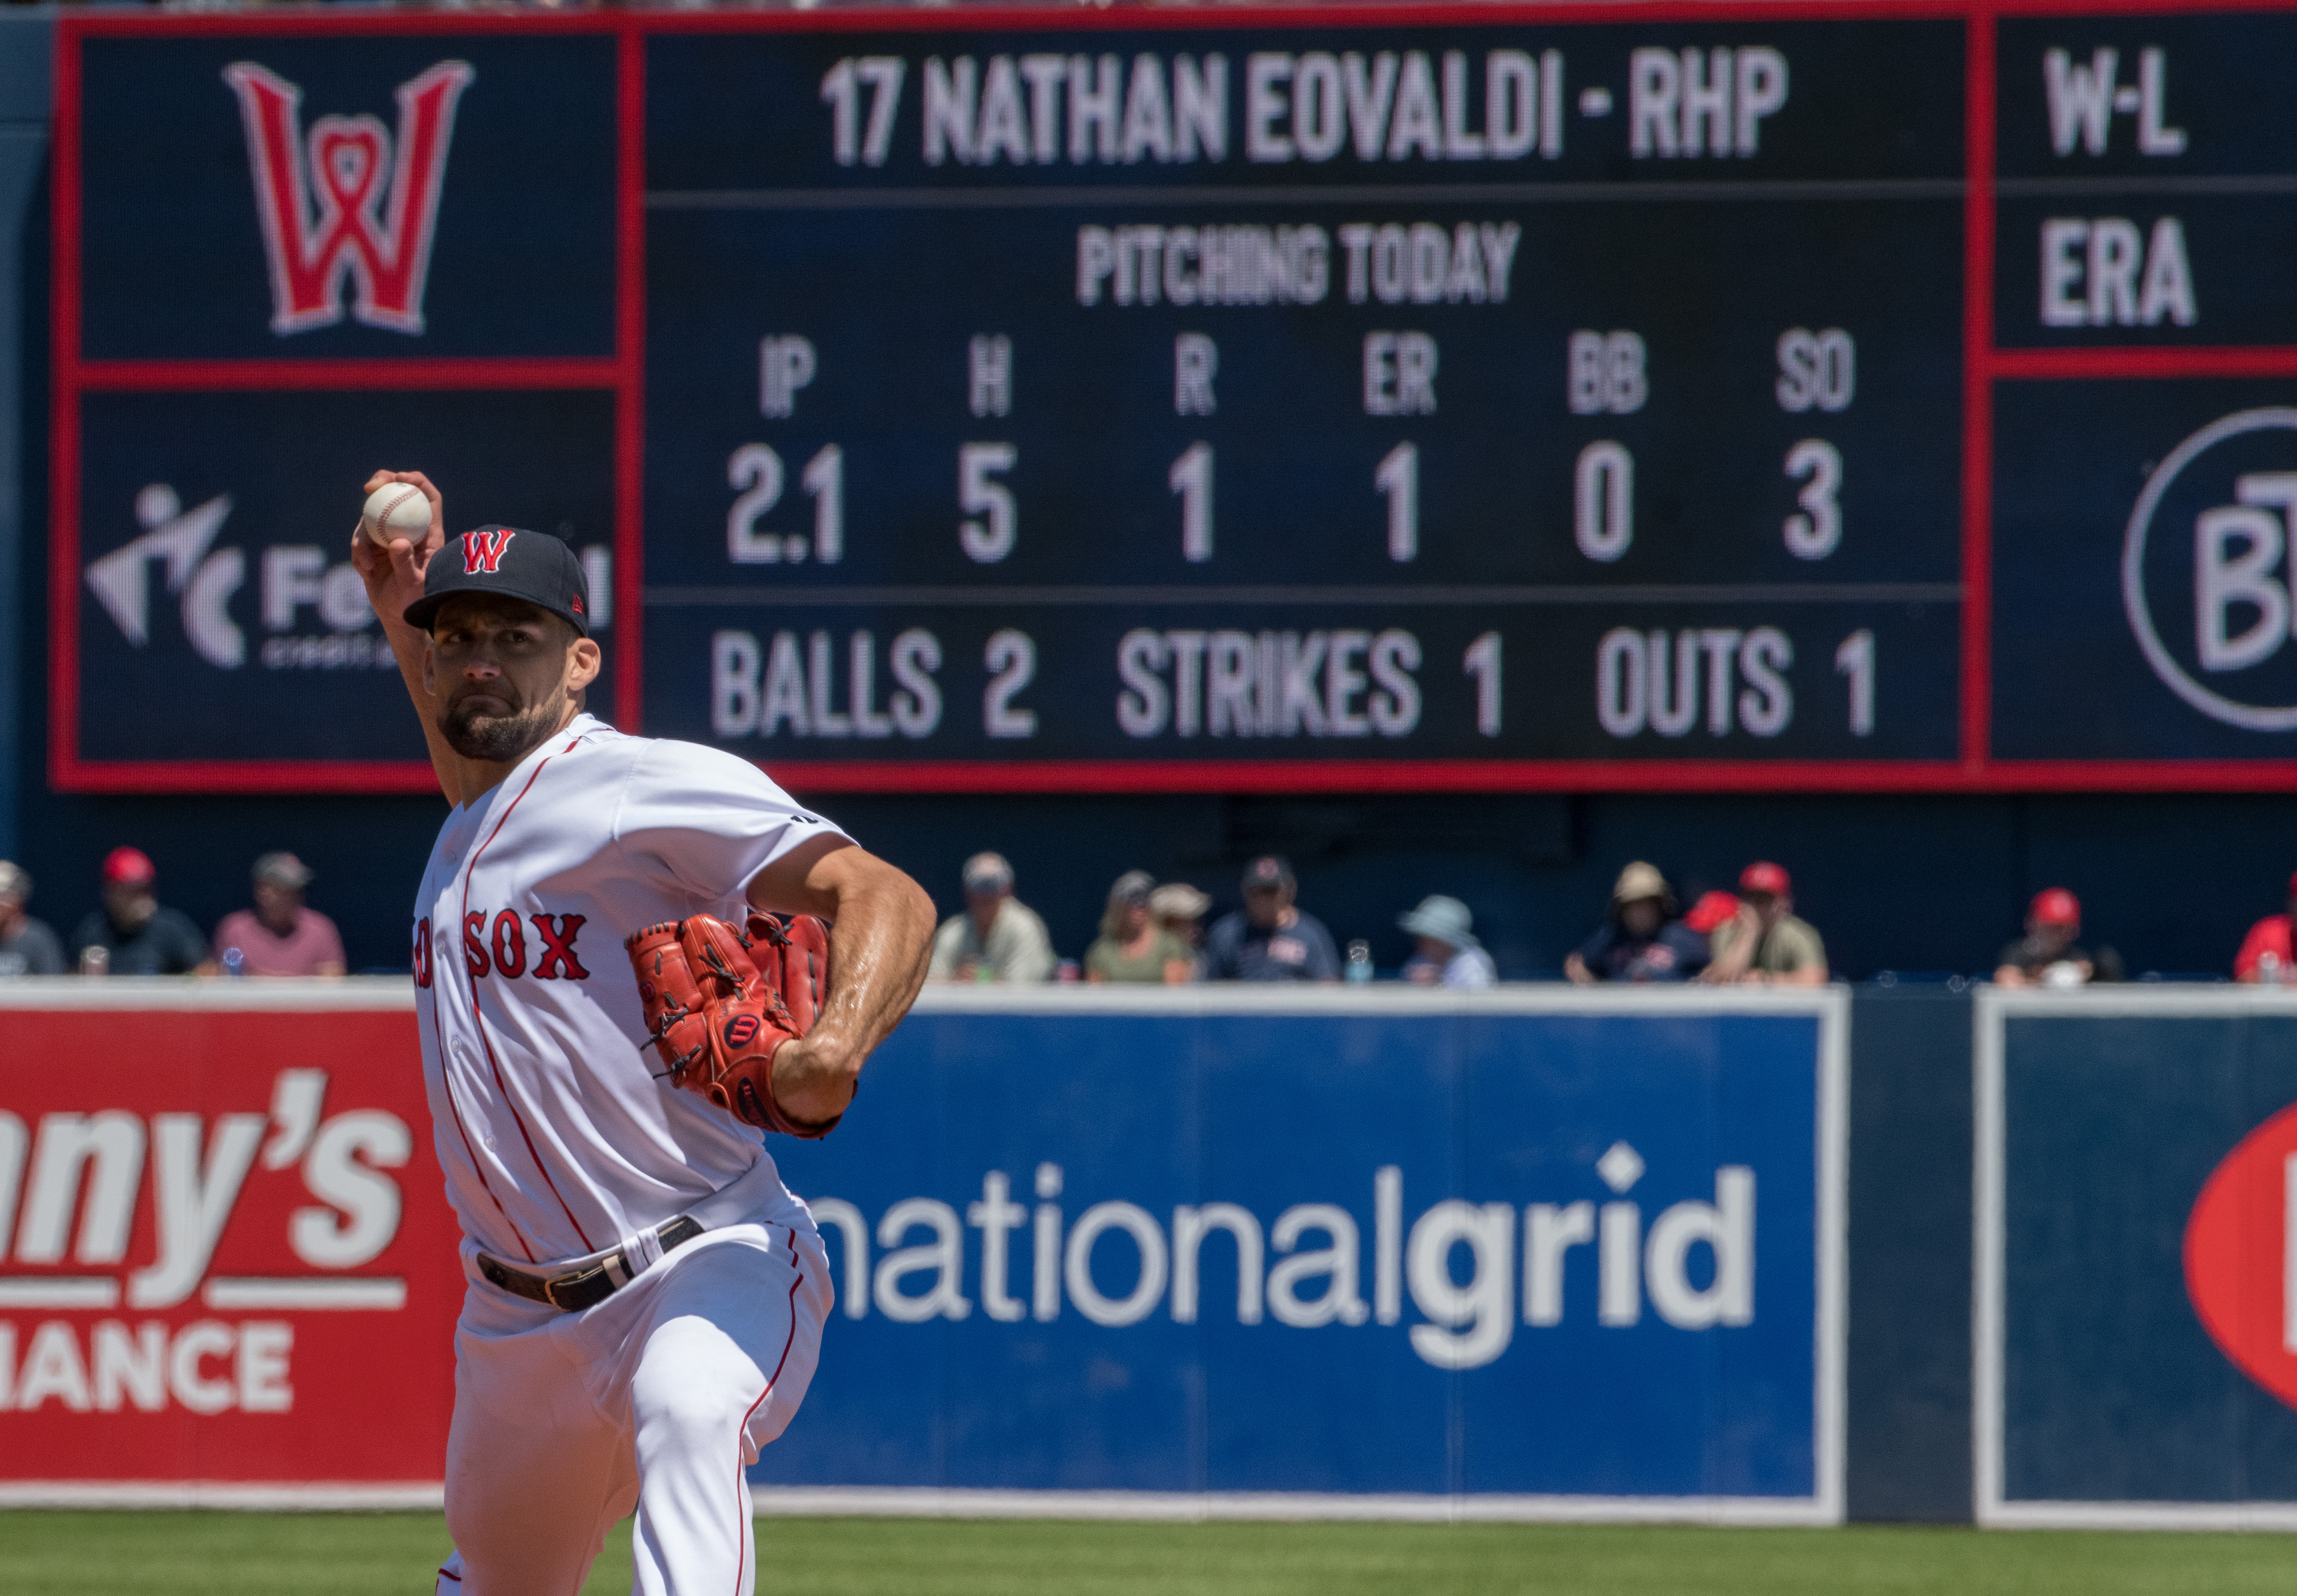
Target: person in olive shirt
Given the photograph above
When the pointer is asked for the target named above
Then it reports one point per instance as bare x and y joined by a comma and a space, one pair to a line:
137, 935
997, 937
1764, 943
1132, 946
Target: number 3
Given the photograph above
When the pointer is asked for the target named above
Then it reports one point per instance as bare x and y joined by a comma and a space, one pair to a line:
1817, 534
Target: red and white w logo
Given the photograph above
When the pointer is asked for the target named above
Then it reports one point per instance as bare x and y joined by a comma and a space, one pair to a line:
483, 551
345, 157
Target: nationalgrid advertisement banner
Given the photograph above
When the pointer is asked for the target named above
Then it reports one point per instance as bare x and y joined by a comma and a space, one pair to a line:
2136, 1259
1527, 1254
1531, 1255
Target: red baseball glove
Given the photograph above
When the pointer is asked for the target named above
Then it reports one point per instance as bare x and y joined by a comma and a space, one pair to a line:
720, 1002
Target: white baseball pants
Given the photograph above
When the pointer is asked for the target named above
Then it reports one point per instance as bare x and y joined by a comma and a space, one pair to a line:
655, 1399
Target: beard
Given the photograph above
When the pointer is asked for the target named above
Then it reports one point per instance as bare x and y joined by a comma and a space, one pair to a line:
498, 739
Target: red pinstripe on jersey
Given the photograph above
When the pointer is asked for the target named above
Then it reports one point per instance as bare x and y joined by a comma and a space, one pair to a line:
478, 1022
446, 1084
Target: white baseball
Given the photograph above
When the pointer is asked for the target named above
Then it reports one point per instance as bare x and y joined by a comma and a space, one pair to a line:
396, 510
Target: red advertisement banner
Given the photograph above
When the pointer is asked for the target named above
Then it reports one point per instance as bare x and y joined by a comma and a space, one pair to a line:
226, 1256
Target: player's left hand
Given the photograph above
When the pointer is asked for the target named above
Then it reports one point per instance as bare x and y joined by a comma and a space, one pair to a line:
728, 1010
811, 1083
394, 575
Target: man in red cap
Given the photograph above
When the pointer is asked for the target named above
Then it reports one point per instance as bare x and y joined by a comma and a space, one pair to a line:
2047, 954
2266, 954
131, 934
1764, 944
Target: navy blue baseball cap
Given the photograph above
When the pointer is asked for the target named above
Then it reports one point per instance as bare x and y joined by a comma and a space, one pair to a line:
513, 563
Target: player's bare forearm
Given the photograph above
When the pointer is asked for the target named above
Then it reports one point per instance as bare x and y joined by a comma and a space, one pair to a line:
408, 647
880, 939
1730, 966
394, 579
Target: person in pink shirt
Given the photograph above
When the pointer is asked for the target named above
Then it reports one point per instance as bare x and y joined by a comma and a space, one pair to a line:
2265, 953
280, 936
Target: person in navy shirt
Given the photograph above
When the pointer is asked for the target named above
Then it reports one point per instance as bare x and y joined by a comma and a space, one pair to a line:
137, 935
1270, 938
1640, 939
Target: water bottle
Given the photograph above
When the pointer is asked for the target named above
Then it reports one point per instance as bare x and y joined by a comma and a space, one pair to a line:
1359, 968
234, 962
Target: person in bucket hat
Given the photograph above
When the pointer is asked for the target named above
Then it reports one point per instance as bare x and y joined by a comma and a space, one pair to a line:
1448, 955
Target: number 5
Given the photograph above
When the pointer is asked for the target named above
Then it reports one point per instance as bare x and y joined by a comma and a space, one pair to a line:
990, 540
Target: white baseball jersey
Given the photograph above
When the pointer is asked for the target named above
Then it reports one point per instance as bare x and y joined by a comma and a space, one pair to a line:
557, 1131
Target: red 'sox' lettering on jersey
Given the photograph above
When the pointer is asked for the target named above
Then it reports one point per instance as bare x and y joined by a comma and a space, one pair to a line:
510, 944
2239, 1271
483, 551
496, 945
557, 961
346, 229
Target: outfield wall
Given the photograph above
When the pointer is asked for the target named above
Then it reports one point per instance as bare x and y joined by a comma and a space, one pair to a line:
1530, 1253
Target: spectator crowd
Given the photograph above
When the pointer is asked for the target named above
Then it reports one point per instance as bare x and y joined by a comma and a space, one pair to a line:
1149, 934
133, 934
1751, 937
1155, 934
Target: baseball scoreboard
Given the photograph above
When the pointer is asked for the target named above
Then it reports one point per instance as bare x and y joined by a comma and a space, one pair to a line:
1648, 396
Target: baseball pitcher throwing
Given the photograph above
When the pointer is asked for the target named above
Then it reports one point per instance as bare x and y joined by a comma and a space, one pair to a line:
624, 980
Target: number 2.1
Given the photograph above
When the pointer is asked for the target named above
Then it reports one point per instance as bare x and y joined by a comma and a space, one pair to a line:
757, 468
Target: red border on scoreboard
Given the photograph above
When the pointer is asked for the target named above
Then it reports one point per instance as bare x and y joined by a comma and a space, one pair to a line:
1984, 365
67, 770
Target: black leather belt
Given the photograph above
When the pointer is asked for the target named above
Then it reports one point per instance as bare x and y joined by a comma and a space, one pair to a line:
589, 1286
